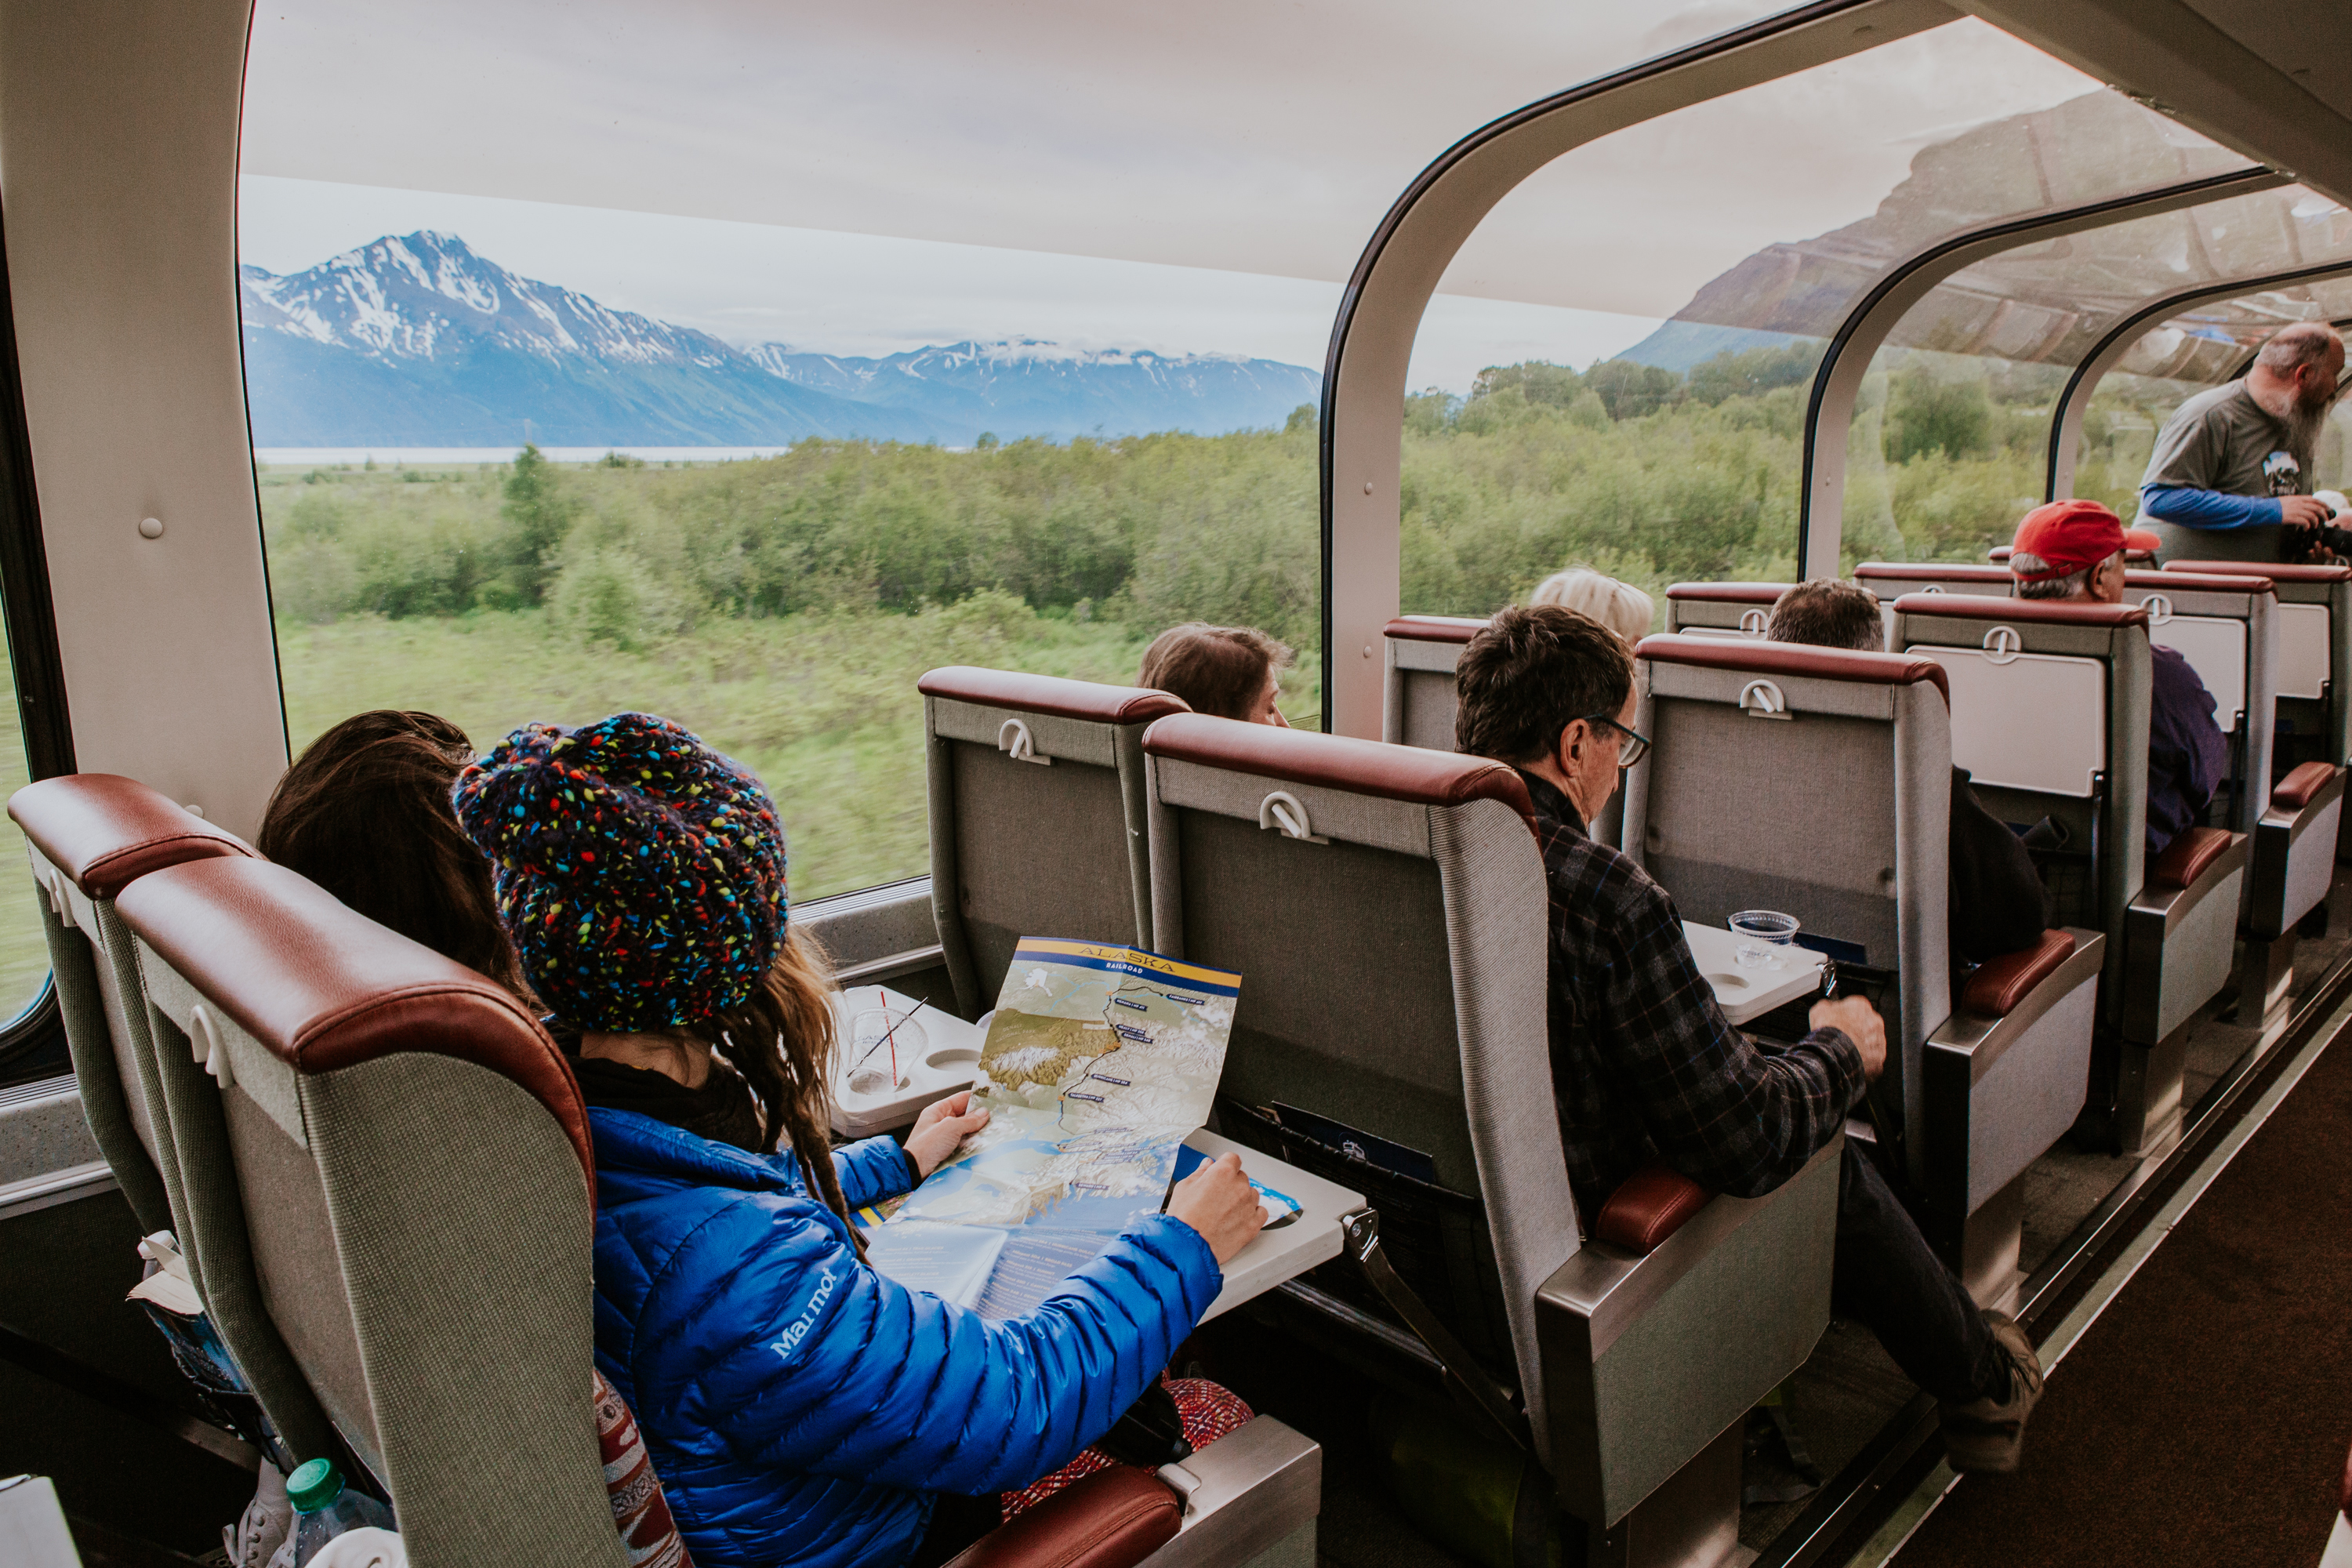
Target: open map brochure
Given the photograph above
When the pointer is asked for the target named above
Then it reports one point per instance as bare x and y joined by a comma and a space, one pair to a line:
1099, 1062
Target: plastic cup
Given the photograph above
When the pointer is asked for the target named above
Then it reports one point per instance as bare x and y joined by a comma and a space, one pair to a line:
1761, 934
871, 1071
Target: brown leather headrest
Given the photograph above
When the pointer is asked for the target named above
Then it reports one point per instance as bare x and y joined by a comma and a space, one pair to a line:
1794, 658
1930, 572
1337, 762
2042, 612
2280, 573
1050, 694
2212, 581
104, 830
1729, 593
322, 987
1433, 629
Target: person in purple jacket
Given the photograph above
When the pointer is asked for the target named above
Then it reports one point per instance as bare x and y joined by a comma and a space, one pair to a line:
2073, 549
799, 1406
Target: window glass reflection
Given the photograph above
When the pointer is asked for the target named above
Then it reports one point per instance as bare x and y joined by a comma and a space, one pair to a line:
1695, 266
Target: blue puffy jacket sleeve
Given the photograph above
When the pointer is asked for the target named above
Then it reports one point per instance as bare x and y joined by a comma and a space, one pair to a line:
2192, 508
806, 1360
872, 1170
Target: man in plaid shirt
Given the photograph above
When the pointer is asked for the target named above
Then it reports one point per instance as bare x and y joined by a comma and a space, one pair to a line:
1645, 1065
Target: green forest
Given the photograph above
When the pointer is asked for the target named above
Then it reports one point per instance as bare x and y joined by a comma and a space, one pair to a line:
783, 607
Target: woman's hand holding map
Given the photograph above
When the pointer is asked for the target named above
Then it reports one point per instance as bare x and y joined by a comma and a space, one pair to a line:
1218, 1201
942, 1129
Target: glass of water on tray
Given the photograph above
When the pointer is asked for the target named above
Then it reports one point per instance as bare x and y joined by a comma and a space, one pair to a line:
1760, 935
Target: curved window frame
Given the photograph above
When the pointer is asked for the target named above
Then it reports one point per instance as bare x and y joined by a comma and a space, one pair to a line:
2066, 420
1364, 376
32, 631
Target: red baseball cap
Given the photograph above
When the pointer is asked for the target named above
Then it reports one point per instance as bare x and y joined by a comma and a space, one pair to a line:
2070, 535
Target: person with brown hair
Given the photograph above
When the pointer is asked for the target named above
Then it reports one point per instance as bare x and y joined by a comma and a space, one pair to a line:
1997, 903
1228, 672
1644, 1063
364, 813
802, 1406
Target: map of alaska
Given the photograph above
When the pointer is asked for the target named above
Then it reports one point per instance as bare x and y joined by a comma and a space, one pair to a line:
1100, 1061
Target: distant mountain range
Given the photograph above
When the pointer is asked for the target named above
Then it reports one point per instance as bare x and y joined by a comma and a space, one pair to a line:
415, 340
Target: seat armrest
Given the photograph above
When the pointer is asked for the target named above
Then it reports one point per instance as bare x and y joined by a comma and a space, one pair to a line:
1646, 1360
2000, 984
2300, 786
1652, 1204
2185, 857
1113, 1519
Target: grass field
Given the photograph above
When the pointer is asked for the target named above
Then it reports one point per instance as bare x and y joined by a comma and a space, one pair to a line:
822, 707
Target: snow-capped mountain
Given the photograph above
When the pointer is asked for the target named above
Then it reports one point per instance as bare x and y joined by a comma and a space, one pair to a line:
415, 340
1023, 386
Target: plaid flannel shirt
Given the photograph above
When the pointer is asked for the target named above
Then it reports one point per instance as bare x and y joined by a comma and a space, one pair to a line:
1643, 1061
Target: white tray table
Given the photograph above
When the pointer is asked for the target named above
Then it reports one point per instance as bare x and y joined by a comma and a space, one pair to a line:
1745, 994
938, 1055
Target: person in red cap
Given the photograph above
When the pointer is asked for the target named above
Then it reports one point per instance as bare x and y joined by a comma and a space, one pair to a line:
2073, 549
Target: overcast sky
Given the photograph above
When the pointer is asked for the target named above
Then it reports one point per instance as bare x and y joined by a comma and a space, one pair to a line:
1192, 178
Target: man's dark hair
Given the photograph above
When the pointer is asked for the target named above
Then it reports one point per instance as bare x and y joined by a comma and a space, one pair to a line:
1530, 674
1828, 613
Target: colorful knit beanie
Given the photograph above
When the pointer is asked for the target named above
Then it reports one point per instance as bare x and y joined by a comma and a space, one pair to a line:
639, 874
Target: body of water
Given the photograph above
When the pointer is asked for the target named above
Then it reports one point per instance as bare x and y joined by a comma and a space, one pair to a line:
428, 457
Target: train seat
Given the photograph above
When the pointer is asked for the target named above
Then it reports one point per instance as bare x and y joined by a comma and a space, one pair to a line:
1978, 1084
2231, 630
1722, 609
2050, 714
441, 1306
2314, 686
1417, 690
89, 836
2001, 552
1388, 906
404, 1157
1029, 772
1890, 580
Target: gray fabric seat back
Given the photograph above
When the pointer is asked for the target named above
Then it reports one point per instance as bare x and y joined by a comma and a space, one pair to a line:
1811, 780
1386, 907
2227, 630
411, 1197
1037, 816
88, 836
1417, 690
1722, 609
2313, 682
2049, 713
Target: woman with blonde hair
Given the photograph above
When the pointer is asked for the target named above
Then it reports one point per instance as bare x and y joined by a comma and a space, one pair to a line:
1620, 606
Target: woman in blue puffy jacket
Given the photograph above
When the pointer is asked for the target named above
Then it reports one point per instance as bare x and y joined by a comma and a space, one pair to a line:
799, 1406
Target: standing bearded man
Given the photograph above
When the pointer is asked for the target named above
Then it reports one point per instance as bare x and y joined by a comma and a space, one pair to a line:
2230, 477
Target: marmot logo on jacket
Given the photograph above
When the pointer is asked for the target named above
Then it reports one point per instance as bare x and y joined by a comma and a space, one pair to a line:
807, 1320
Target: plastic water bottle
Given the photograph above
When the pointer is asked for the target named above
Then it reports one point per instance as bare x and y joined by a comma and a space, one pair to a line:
324, 1508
